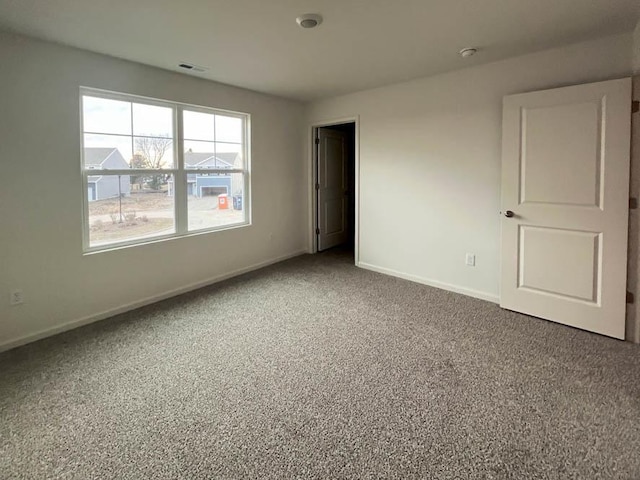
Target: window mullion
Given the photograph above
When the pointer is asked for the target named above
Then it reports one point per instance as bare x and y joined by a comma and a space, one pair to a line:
180, 175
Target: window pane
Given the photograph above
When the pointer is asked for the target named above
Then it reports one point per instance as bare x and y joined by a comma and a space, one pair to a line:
215, 200
199, 154
107, 152
102, 115
228, 129
153, 121
212, 155
124, 208
152, 152
198, 126
230, 153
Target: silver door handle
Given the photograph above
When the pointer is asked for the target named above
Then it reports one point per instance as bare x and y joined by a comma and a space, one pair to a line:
509, 214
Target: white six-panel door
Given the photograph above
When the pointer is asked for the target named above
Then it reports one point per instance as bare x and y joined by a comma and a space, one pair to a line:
565, 187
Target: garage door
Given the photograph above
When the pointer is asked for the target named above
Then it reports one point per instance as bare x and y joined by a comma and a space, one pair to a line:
212, 191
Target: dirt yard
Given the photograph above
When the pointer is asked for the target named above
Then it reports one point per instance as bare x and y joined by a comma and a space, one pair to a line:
143, 215
135, 201
102, 232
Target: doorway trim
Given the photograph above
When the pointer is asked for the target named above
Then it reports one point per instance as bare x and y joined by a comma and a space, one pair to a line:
313, 178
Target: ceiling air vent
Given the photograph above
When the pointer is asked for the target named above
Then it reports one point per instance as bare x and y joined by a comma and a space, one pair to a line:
192, 67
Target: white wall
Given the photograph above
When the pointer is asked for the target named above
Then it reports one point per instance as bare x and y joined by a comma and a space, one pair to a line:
40, 191
430, 160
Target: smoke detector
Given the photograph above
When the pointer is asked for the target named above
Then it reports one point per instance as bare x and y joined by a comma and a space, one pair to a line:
467, 52
309, 20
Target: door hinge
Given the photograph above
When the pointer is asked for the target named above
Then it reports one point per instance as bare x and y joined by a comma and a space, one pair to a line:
635, 106
317, 186
633, 203
317, 141
631, 297
317, 231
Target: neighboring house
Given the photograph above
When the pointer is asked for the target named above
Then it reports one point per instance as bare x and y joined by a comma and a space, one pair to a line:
204, 184
100, 187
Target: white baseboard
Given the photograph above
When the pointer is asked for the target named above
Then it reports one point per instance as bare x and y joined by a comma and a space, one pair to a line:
432, 283
48, 332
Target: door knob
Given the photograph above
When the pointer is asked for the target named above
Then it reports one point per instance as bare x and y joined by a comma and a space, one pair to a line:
509, 214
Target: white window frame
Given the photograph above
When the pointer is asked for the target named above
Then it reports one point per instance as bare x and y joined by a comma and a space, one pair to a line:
178, 170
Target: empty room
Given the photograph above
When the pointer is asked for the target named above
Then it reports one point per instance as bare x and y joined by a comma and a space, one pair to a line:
320, 239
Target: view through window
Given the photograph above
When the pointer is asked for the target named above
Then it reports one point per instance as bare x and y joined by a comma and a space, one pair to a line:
155, 169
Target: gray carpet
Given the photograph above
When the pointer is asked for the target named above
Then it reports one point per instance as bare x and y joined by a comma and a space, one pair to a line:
316, 369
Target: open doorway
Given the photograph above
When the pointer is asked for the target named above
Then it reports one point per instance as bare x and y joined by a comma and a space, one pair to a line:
334, 156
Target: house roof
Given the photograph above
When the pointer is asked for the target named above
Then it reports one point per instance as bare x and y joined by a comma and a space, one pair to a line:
94, 156
195, 159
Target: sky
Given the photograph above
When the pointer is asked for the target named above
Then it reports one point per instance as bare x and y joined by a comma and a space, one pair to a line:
115, 123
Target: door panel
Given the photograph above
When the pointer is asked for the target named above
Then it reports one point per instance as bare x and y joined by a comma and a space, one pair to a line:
334, 218
546, 163
332, 181
565, 177
574, 254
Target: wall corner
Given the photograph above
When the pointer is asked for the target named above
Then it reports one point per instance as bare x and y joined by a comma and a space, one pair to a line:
635, 53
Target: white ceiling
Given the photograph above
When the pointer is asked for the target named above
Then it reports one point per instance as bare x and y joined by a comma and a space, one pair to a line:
361, 44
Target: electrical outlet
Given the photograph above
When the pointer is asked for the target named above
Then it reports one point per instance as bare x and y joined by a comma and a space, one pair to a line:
16, 297
470, 260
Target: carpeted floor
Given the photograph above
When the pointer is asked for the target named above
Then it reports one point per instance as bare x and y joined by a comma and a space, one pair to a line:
316, 369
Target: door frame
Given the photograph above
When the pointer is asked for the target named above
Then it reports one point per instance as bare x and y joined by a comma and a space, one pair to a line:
313, 179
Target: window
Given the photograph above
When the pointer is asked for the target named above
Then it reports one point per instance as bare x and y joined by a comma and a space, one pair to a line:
155, 169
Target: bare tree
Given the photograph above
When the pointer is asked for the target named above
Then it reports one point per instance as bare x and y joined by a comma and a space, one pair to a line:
150, 152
